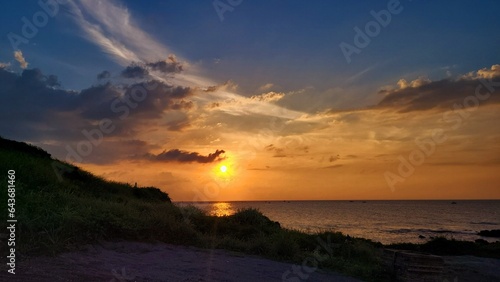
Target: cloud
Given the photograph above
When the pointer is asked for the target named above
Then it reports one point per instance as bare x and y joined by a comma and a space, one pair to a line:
358, 75
334, 158
170, 65
423, 94
268, 97
266, 87
278, 152
226, 86
113, 101
293, 148
333, 166
41, 111
141, 70
485, 73
19, 57
104, 75
134, 71
178, 124
213, 105
110, 26
176, 155
402, 83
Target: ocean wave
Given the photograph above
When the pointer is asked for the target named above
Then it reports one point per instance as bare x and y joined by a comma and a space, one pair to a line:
427, 231
484, 223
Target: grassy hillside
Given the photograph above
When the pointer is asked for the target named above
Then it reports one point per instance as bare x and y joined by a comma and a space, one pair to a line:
60, 207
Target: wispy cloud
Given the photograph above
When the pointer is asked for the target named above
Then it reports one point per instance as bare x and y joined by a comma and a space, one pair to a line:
269, 97
110, 25
360, 74
266, 87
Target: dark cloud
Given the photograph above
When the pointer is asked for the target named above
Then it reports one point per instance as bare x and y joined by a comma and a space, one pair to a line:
176, 155
35, 108
170, 65
333, 166
160, 97
141, 70
30, 101
95, 102
278, 152
420, 95
213, 105
334, 158
104, 75
145, 100
135, 71
266, 168
52, 81
36, 77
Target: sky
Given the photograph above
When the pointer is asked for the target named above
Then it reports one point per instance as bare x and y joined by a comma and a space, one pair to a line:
261, 100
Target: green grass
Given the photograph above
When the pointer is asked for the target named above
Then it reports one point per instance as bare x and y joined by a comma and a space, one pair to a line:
57, 214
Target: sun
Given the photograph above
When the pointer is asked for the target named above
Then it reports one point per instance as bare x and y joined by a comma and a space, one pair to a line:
225, 171
223, 168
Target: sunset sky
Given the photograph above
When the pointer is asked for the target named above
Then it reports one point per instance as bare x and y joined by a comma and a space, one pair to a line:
164, 94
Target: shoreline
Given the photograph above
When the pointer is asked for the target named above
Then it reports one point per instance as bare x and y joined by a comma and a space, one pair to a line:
334, 200
389, 231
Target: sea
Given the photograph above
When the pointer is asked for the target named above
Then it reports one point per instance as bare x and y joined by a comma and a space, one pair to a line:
383, 221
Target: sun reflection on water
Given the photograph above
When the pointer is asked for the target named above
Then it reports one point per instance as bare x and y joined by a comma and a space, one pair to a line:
221, 209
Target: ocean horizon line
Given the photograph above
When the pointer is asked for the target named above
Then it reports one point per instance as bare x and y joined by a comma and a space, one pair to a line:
336, 200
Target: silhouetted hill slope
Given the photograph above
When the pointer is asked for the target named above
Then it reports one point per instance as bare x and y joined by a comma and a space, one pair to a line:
35, 168
11, 145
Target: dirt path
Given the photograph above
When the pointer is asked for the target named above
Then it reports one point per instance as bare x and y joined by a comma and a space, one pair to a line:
472, 269
132, 261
